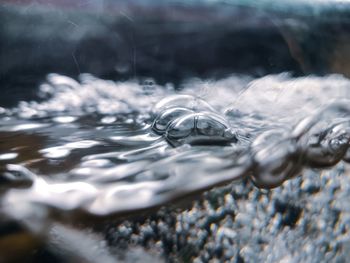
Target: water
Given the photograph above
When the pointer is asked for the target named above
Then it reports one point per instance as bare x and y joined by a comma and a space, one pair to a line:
98, 149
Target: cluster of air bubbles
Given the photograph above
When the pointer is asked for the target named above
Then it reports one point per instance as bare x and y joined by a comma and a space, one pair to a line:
89, 95
320, 140
185, 119
314, 142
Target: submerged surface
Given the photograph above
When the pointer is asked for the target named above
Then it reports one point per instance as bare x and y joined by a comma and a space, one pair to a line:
96, 148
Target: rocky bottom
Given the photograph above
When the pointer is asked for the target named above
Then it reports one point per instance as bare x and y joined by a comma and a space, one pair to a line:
304, 220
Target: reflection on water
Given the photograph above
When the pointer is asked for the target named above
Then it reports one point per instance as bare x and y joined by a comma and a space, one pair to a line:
97, 148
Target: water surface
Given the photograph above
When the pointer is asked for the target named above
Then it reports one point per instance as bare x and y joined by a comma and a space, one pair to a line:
91, 148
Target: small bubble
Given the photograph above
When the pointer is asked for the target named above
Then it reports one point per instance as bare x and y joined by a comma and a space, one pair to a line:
148, 86
199, 128
164, 119
182, 100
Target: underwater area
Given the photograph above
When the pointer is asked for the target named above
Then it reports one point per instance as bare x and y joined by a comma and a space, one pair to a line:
173, 131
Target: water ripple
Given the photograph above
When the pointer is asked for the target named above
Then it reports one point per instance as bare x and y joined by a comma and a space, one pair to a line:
98, 148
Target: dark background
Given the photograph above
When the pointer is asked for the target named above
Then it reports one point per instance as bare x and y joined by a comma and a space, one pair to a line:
168, 41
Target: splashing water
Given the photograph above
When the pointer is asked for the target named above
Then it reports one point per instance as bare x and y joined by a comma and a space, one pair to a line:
98, 148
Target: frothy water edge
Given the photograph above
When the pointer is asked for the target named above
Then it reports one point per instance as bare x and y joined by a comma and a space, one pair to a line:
281, 126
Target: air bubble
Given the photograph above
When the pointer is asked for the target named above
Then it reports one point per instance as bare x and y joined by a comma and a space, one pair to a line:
199, 128
162, 121
329, 147
275, 159
182, 100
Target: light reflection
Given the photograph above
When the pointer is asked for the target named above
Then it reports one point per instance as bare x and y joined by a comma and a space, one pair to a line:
64, 119
55, 152
65, 150
26, 126
8, 156
135, 140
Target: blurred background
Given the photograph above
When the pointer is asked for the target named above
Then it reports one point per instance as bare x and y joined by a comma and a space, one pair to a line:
168, 41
